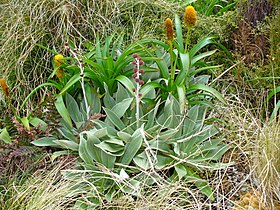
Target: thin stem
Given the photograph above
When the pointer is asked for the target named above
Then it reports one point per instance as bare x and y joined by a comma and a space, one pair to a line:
188, 38
82, 82
12, 107
171, 62
137, 97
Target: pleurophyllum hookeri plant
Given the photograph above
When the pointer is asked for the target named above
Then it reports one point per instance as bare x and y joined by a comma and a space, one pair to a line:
117, 155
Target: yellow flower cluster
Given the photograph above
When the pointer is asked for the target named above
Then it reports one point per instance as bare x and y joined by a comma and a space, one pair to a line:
189, 20
169, 29
58, 60
190, 16
4, 87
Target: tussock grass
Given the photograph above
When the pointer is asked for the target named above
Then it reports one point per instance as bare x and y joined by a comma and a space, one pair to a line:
255, 147
42, 190
266, 162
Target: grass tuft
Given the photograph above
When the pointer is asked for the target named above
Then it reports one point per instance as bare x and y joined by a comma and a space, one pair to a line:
266, 162
39, 191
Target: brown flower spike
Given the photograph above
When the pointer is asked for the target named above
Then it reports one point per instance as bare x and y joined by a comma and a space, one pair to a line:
169, 29
5, 87
190, 16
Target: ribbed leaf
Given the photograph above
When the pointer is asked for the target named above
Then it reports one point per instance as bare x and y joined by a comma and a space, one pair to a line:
120, 108
200, 183
38, 122
132, 147
163, 162
179, 34
181, 90
4, 136
83, 151
67, 144
61, 108
114, 119
126, 82
208, 89
73, 110
202, 43
111, 148
45, 142
142, 161
70, 83
149, 87
201, 55
275, 111
25, 122
184, 72
162, 65
180, 170
60, 153
194, 72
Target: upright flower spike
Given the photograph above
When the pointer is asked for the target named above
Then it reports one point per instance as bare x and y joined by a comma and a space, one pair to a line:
58, 60
190, 16
189, 20
169, 29
137, 62
170, 36
4, 87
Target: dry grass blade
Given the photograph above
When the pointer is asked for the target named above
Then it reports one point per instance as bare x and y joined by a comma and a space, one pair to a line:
40, 191
267, 163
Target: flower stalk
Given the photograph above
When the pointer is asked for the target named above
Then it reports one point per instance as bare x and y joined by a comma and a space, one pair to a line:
6, 92
170, 36
138, 95
190, 21
82, 75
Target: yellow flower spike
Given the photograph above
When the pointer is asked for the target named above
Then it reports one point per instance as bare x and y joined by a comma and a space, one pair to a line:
170, 36
169, 29
58, 59
4, 87
59, 73
190, 16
